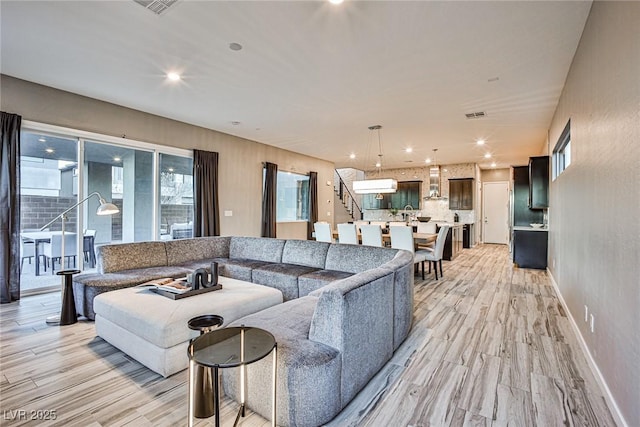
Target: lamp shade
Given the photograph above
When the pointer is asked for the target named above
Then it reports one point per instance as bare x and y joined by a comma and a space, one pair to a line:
375, 186
106, 208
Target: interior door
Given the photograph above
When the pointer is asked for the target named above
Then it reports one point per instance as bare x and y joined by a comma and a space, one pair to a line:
495, 206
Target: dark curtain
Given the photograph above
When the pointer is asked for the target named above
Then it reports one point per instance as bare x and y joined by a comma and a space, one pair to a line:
313, 203
269, 194
10, 207
206, 209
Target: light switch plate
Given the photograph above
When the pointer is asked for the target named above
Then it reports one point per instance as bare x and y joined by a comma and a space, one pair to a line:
228, 213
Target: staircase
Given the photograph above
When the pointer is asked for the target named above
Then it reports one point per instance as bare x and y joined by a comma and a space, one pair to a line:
343, 196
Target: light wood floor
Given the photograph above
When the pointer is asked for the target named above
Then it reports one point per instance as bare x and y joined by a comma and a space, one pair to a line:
491, 345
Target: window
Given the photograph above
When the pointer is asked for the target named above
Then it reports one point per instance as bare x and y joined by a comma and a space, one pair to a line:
293, 197
176, 197
562, 151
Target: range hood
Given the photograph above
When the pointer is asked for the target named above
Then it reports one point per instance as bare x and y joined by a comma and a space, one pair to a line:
434, 184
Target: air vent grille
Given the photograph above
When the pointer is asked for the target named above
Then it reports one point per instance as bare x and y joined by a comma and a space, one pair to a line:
156, 6
476, 115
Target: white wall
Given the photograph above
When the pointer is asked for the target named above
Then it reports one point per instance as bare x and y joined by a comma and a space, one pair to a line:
594, 250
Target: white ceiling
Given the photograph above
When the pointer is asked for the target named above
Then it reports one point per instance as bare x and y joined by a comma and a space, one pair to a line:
313, 76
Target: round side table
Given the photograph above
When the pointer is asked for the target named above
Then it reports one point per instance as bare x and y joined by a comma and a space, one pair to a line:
230, 348
203, 382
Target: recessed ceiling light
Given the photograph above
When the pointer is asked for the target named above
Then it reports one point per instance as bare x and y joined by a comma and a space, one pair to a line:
41, 139
408, 150
487, 156
49, 150
352, 156
235, 46
117, 159
173, 76
336, 1
480, 142
493, 165
378, 164
427, 161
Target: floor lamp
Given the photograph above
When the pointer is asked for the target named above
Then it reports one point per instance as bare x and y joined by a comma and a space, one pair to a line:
68, 313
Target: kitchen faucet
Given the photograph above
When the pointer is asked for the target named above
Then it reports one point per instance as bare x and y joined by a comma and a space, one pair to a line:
407, 207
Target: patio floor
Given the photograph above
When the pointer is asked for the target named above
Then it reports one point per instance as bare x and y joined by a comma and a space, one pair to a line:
30, 283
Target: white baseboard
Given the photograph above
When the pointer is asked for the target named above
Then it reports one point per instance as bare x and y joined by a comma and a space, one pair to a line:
613, 406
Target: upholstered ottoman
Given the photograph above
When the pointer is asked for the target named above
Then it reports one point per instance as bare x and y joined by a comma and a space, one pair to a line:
153, 329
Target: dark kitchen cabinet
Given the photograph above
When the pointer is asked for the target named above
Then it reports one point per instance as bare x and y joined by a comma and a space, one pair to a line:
539, 182
461, 194
453, 243
522, 215
530, 249
466, 236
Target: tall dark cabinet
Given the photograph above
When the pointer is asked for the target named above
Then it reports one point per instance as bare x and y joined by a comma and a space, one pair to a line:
529, 244
539, 182
522, 214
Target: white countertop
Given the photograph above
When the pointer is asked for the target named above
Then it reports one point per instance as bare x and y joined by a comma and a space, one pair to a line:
529, 228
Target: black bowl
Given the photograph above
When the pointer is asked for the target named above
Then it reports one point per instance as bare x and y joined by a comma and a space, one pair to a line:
424, 218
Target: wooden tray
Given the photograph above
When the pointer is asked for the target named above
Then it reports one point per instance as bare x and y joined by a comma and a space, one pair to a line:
187, 294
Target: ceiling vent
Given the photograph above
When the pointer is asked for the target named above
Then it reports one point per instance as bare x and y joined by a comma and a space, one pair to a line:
156, 6
476, 115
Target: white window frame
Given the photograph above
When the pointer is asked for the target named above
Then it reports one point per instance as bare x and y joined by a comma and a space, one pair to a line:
561, 158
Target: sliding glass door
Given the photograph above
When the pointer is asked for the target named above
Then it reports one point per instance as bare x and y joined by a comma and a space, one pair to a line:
48, 187
176, 197
151, 185
123, 176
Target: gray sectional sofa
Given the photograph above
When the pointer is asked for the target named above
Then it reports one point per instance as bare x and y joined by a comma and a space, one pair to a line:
346, 309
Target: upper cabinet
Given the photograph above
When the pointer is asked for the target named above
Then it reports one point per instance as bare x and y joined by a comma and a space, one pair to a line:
461, 194
539, 182
408, 193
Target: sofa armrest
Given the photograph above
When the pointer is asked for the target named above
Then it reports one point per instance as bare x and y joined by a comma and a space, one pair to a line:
355, 316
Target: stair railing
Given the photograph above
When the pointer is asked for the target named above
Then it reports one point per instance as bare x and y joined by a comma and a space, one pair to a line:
347, 199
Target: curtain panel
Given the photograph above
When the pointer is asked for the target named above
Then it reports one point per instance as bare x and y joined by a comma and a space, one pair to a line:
10, 207
206, 209
313, 203
269, 194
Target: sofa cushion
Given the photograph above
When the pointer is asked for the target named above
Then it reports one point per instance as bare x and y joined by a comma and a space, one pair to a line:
198, 249
309, 282
355, 259
127, 256
256, 248
308, 385
305, 252
238, 268
283, 277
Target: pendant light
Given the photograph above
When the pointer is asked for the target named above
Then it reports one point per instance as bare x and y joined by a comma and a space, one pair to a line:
376, 186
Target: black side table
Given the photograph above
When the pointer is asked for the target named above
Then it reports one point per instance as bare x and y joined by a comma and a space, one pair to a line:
203, 399
230, 348
68, 313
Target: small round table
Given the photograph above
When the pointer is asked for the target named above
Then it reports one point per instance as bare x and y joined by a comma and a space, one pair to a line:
203, 385
230, 348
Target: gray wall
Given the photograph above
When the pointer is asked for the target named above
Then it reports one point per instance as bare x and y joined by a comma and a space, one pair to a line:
594, 251
240, 159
